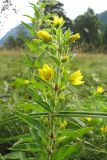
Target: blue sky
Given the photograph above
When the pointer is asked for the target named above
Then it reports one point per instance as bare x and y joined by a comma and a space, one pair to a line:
72, 8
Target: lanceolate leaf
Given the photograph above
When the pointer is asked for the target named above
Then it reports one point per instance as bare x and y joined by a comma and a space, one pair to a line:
67, 150
32, 122
68, 135
3, 140
29, 27
56, 60
15, 155
37, 98
1, 157
76, 133
29, 147
44, 105
66, 37
43, 82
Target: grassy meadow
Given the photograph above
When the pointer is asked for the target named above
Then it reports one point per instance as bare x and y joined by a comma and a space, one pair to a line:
94, 66
10, 65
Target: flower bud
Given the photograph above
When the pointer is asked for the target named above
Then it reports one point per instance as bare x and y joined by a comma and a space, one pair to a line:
44, 35
26, 82
61, 97
65, 59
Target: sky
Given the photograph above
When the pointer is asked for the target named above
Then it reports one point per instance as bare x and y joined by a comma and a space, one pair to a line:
73, 8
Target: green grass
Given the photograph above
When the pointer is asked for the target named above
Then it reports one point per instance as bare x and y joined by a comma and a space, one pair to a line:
10, 65
94, 66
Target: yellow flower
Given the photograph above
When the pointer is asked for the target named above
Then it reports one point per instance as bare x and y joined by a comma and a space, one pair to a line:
58, 20
104, 129
74, 37
100, 89
44, 35
89, 119
76, 78
46, 73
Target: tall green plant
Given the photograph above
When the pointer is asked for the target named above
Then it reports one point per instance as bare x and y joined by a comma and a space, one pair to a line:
51, 85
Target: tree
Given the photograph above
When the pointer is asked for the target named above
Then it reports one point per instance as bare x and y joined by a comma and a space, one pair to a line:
10, 42
53, 6
104, 37
89, 27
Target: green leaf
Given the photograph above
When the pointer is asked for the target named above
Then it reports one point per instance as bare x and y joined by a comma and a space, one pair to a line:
35, 135
56, 60
76, 133
66, 151
34, 94
3, 140
32, 46
68, 135
1, 157
59, 34
15, 155
31, 18
29, 147
66, 37
36, 9
43, 82
44, 105
29, 27
32, 122
37, 98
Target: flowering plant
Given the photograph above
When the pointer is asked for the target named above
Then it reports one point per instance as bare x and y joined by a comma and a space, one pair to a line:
51, 85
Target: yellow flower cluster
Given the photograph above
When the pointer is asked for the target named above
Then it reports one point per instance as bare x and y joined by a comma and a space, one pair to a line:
100, 89
58, 20
74, 37
46, 73
76, 78
44, 35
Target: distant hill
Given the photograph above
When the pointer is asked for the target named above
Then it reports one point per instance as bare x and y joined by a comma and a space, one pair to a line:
103, 17
13, 32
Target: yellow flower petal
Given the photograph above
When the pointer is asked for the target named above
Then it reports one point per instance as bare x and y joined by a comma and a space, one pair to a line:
76, 78
74, 37
100, 89
46, 73
58, 20
103, 129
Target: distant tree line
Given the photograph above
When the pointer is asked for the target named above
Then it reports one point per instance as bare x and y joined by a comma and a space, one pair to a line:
93, 32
